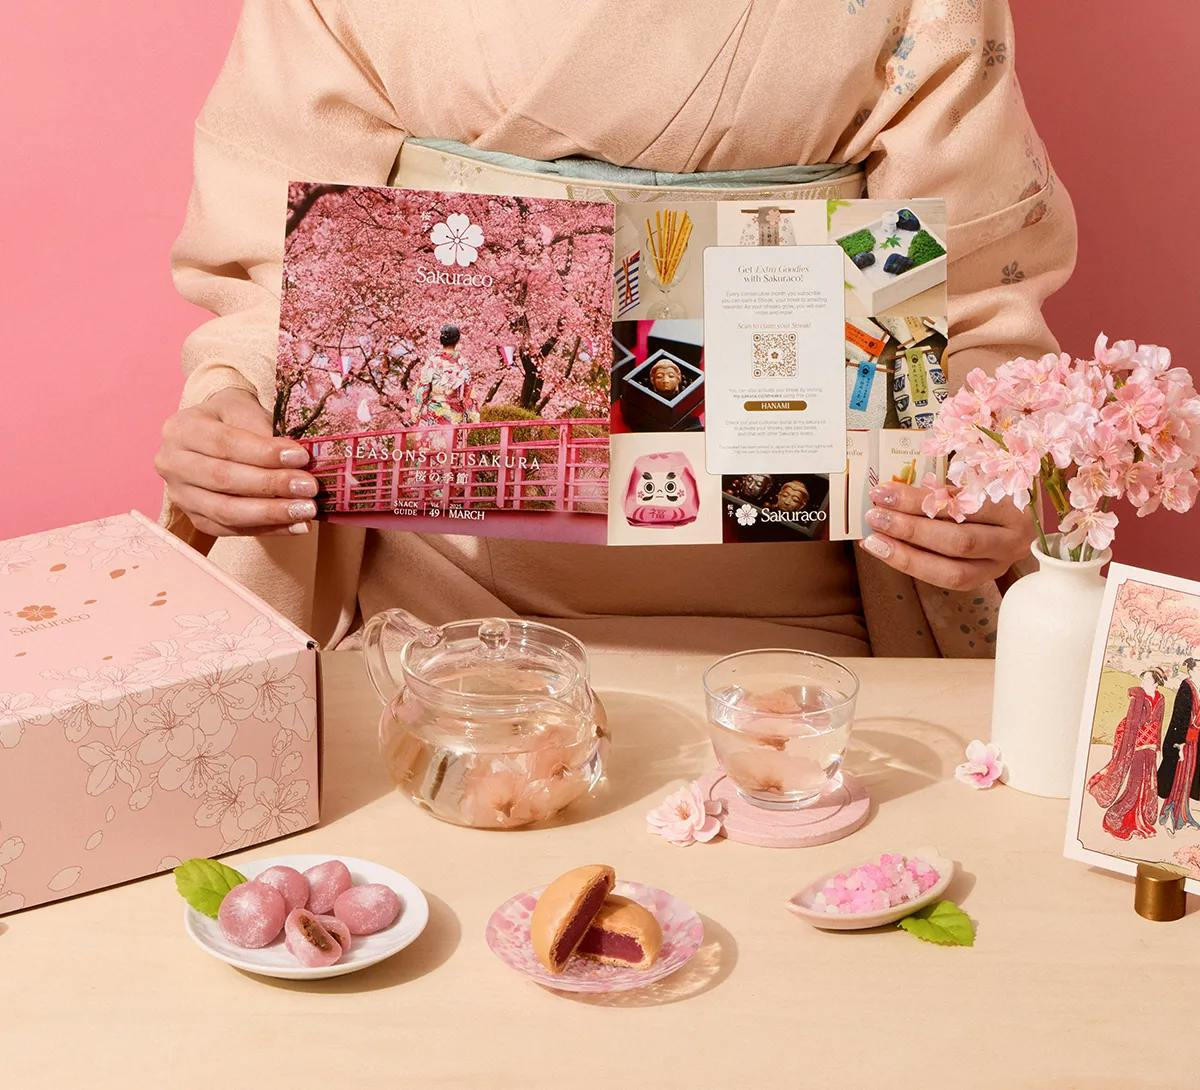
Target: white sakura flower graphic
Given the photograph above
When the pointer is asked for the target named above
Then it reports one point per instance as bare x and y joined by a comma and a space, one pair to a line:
746, 515
457, 241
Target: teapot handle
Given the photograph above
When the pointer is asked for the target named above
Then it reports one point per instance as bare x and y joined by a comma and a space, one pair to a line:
403, 622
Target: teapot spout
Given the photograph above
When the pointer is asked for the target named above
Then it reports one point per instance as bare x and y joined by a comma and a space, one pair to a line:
410, 629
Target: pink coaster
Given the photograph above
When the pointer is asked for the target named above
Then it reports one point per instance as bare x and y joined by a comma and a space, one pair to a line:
832, 817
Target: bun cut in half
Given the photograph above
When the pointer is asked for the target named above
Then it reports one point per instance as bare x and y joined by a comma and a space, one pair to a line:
565, 911
623, 933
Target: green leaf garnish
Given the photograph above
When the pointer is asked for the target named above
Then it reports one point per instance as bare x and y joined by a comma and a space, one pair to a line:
890, 243
944, 923
203, 883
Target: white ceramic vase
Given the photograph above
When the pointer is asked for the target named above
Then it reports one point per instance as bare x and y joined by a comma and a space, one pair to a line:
1044, 642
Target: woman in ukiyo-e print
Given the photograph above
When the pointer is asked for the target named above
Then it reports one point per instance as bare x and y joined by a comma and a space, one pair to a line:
1178, 776
1125, 786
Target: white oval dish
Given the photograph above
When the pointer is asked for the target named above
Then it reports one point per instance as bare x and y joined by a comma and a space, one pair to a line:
801, 903
274, 960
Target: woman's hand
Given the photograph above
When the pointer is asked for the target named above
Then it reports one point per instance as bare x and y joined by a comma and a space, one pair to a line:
229, 474
958, 556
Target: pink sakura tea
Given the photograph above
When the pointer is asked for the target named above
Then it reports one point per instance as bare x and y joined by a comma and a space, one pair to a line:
780, 722
501, 770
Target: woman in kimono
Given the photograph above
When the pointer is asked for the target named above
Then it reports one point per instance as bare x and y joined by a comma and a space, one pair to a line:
1178, 776
647, 100
443, 394
1125, 786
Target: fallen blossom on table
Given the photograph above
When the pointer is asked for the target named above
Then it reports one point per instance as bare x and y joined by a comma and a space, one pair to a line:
983, 765
685, 816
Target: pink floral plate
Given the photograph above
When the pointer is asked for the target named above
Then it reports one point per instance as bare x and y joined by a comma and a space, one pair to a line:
508, 936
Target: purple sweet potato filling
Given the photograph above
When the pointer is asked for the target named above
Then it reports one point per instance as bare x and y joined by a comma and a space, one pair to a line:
610, 944
579, 923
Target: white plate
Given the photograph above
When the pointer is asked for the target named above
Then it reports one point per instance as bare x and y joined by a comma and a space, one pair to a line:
801, 903
274, 960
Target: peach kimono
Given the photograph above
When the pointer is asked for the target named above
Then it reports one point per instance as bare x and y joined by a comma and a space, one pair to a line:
918, 97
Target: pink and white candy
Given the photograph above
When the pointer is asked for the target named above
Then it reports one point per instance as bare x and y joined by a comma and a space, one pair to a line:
874, 887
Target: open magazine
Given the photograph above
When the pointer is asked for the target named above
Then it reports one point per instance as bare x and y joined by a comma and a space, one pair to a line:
641, 373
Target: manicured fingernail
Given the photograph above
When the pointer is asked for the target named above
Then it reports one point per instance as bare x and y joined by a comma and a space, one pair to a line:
293, 456
883, 495
879, 519
302, 509
876, 546
298, 528
302, 486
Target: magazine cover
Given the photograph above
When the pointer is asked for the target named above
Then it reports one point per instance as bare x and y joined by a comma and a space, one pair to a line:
740, 371
446, 358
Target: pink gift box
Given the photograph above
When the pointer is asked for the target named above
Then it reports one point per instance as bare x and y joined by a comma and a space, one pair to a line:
151, 710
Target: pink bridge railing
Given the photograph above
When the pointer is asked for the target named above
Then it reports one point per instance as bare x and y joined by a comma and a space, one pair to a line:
519, 465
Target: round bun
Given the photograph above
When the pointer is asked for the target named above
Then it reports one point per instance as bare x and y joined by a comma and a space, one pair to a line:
564, 912
623, 933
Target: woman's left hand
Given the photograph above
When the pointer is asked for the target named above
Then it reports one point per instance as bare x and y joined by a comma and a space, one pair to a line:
958, 556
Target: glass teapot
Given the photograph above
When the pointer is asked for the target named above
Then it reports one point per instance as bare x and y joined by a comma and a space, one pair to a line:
492, 723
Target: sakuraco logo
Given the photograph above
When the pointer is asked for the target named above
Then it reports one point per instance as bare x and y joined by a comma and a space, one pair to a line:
457, 241
747, 515
456, 244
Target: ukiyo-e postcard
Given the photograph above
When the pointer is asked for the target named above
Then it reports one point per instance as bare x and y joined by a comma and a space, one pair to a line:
1136, 792
447, 358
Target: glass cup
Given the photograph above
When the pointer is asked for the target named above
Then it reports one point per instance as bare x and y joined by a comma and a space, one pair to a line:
780, 722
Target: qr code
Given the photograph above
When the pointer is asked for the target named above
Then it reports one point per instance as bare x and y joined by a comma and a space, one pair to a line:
774, 355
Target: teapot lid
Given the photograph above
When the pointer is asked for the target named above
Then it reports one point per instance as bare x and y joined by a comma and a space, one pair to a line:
495, 660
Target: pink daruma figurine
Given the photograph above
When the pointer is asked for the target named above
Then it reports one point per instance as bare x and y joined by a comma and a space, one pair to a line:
662, 491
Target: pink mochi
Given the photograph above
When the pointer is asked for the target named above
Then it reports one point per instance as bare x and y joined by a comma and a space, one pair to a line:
338, 930
291, 884
325, 882
368, 908
252, 914
308, 941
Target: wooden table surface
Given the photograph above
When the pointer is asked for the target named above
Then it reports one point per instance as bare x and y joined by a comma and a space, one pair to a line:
1065, 986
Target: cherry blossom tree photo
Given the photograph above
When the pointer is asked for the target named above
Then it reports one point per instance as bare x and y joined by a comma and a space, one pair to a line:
372, 275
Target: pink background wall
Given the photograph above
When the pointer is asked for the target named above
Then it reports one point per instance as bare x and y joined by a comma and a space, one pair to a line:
98, 147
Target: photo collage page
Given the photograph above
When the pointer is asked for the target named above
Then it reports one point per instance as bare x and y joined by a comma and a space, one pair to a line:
664, 385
